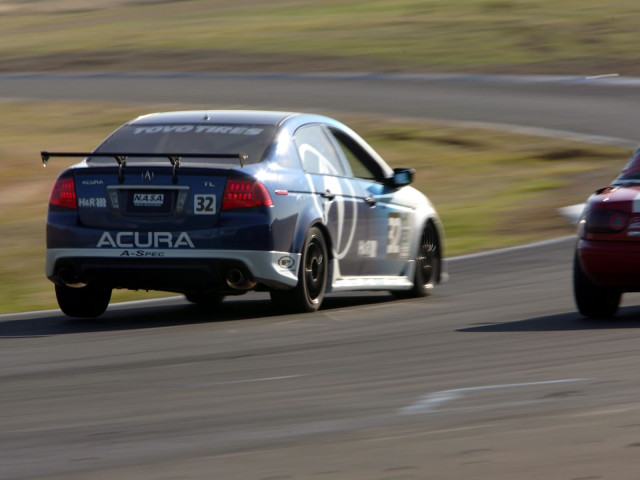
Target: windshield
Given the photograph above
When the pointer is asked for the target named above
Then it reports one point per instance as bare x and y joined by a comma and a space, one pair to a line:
631, 171
252, 140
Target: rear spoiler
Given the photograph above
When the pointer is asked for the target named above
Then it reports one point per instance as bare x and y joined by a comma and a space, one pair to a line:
121, 158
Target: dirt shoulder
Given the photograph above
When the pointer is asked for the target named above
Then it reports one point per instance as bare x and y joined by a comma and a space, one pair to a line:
189, 61
214, 61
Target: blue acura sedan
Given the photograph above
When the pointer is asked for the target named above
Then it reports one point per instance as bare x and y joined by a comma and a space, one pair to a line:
216, 203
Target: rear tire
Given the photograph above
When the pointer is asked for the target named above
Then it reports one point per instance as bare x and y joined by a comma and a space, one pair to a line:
205, 299
89, 301
313, 271
593, 300
428, 260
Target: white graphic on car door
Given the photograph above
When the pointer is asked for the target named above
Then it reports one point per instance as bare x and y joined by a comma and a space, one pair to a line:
343, 213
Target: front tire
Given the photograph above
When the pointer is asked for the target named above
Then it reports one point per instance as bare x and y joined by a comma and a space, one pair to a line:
89, 301
593, 300
428, 261
313, 271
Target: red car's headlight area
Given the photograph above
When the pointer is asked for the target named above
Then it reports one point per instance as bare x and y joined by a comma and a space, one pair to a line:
605, 221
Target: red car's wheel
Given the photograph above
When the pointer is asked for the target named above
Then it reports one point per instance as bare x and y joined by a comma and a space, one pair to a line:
593, 300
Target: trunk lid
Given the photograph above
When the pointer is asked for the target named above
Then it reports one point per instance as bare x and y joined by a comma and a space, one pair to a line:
149, 197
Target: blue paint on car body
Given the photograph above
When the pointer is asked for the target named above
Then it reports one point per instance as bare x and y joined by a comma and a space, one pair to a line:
215, 203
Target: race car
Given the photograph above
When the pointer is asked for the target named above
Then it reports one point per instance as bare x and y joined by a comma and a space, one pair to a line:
607, 256
216, 203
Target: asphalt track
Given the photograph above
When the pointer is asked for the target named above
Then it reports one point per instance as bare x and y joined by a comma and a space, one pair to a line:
600, 107
494, 376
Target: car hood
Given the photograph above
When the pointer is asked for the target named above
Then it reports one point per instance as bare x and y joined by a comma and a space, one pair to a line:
616, 197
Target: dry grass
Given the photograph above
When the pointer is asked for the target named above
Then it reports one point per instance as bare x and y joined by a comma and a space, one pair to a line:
525, 36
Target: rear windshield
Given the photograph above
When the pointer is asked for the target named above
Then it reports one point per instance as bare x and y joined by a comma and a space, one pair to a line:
252, 140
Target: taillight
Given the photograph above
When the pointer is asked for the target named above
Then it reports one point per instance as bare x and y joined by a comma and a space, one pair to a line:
64, 193
605, 221
244, 194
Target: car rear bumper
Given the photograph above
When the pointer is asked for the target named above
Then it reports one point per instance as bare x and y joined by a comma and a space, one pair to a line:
170, 269
611, 263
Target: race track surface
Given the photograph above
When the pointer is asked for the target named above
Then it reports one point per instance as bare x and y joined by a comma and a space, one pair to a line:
494, 376
599, 107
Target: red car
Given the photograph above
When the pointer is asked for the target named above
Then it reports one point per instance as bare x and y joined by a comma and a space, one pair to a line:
607, 258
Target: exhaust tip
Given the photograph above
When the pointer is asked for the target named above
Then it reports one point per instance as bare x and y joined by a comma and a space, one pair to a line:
239, 280
68, 276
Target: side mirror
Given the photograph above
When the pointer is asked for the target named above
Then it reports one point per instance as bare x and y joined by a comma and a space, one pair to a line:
402, 176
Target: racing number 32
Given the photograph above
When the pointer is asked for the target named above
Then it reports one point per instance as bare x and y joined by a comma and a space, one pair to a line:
204, 204
398, 235
394, 234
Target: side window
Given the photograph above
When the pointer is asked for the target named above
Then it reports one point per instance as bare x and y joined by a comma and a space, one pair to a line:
317, 153
362, 165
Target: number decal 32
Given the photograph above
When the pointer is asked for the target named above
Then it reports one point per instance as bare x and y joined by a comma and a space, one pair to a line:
204, 204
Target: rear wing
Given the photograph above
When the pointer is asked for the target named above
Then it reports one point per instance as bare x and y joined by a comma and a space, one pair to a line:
121, 158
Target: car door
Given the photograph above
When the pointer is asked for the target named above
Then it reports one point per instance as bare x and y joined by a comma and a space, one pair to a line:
390, 219
339, 199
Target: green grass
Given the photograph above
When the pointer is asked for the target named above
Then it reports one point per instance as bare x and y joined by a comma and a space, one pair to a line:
543, 36
492, 189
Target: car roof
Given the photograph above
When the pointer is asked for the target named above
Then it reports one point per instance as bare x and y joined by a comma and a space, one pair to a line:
246, 117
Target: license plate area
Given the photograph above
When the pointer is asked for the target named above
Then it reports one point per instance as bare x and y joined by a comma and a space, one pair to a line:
149, 202
143, 201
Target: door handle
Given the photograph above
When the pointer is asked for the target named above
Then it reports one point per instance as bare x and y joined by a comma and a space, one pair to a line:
370, 200
328, 195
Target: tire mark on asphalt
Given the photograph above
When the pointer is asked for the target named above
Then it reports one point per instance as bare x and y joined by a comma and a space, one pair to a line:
430, 402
